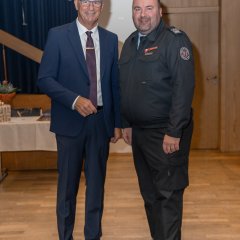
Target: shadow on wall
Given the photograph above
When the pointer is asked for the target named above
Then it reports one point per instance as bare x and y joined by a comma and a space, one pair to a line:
165, 14
105, 17
106, 14
120, 45
198, 97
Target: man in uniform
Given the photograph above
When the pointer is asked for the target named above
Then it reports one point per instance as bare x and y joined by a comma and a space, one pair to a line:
157, 84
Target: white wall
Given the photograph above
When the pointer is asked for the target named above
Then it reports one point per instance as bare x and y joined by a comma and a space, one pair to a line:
117, 17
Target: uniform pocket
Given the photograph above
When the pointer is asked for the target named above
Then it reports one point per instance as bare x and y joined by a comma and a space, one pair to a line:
177, 158
181, 157
150, 58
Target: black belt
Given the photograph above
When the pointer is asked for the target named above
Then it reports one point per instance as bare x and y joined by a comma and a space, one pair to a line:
99, 108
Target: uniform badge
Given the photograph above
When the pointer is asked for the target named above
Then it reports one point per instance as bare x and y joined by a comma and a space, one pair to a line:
175, 30
184, 53
149, 51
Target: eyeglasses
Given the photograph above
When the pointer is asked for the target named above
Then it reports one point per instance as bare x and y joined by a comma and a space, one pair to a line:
86, 3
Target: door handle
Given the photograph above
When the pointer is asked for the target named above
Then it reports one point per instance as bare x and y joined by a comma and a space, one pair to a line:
213, 79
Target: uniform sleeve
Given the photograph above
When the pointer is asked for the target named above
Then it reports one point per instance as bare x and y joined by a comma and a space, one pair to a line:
124, 122
181, 66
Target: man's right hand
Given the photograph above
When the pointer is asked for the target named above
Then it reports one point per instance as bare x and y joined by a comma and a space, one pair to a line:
127, 135
84, 106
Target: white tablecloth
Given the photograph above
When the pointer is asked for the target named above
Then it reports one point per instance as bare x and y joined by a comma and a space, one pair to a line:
26, 134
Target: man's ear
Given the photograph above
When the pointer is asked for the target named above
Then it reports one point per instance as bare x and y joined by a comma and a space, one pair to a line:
76, 4
160, 12
102, 7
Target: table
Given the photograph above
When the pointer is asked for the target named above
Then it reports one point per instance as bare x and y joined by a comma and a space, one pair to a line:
25, 134
28, 134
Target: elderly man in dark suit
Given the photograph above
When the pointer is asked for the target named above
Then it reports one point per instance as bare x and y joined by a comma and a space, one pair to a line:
79, 73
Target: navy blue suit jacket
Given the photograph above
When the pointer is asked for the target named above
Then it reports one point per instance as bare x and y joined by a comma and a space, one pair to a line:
63, 76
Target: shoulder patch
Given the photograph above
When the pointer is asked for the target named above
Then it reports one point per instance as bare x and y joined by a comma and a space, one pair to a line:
184, 53
175, 30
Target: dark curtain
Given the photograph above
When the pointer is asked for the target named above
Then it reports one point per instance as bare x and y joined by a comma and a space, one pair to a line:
30, 21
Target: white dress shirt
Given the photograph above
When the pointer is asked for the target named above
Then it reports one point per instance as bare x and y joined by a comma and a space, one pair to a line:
95, 36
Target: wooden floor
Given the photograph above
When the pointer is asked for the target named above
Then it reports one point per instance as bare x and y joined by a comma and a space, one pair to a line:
211, 206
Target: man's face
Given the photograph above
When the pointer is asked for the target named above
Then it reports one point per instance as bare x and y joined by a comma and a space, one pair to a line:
88, 12
146, 15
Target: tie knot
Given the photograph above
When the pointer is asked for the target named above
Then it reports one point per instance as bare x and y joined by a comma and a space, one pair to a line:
141, 41
142, 38
89, 33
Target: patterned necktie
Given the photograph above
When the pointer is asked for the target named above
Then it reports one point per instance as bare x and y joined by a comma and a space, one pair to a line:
91, 66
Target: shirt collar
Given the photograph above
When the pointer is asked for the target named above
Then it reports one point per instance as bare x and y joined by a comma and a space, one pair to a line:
82, 30
141, 35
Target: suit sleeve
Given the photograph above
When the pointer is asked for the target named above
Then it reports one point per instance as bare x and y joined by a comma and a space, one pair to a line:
48, 73
181, 66
115, 86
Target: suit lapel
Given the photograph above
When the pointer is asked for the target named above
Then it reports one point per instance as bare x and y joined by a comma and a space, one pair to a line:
103, 50
77, 46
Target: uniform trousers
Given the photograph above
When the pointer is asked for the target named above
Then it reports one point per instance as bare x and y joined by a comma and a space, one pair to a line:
162, 179
92, 145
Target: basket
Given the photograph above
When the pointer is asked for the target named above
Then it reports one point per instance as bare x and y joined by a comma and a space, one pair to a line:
7, 97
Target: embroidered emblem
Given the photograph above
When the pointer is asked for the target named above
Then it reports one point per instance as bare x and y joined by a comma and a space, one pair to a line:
149, 51
184, 53
175, 30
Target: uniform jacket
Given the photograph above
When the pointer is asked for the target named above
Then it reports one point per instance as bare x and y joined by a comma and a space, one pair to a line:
63, 76
157, 80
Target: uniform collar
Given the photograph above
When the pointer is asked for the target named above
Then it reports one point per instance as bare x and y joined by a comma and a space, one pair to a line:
152, 35
158, 30
155, 33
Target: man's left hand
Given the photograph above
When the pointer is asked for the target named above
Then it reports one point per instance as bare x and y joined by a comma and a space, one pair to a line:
117, 135
170, 144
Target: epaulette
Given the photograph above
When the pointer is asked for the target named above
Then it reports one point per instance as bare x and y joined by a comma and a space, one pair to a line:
175, 30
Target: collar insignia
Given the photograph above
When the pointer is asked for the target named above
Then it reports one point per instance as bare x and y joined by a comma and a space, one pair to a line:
175, 30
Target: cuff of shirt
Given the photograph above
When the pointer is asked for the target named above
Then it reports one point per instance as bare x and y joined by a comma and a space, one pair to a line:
73, 105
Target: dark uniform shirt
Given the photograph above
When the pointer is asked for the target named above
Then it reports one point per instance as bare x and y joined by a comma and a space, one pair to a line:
157, 80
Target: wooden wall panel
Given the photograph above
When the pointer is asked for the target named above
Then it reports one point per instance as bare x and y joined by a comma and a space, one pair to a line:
230, 76
190, 3
31, 100
29, 160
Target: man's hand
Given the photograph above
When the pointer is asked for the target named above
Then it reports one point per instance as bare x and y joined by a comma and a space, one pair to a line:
117, 135
170, 144
127, 135
84, 106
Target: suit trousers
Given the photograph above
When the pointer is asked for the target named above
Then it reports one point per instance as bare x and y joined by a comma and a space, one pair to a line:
92, 145
160, 177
